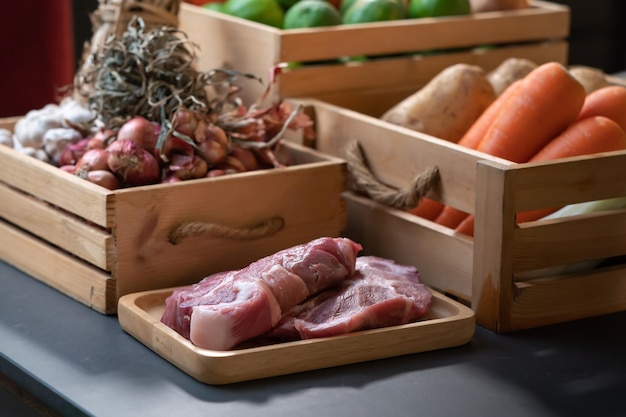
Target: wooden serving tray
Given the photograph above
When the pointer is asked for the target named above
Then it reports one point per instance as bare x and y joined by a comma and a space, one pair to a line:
447, 324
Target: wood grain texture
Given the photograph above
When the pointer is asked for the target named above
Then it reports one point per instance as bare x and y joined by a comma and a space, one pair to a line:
54, 267
58, 227
447, 324
539, 33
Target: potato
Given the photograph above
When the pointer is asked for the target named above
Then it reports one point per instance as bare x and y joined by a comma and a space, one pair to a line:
448, 105
479, 6
591, 78
509, 71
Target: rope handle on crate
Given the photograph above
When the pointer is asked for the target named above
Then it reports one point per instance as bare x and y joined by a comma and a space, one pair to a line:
365, 182
265, 228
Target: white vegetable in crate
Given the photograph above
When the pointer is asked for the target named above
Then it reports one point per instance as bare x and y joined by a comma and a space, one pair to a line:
37, 153
74, 114
30, 130
54, 140
6, 137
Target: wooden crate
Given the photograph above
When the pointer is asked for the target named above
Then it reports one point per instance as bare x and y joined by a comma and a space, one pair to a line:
485, 271
538, 33
96, 245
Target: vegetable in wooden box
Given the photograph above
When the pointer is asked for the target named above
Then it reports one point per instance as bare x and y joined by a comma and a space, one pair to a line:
496, 270
538, 33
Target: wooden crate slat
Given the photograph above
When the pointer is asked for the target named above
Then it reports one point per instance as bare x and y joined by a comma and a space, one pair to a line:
59, 188
557, 183
593, 236
343, 82
58, 227
400, 236
71, 276
551, 301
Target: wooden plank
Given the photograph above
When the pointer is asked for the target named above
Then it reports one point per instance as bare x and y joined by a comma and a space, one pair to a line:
381, 141
218, 33
550, 301
570, 180
346, 84
58, 227
411, 240
569, 240
57, 187
249, 47
307, 198
448, 324
492, 289
408, 35
58, 269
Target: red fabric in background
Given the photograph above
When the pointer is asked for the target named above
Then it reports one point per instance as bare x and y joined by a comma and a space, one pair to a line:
36, 53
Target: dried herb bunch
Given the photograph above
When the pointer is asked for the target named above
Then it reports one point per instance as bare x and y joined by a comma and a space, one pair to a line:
150, 74
164, 121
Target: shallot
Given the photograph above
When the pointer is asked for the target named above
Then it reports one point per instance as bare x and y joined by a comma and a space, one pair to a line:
104, 178
93, 160
188, 167
140, 130
132, 164
71, 153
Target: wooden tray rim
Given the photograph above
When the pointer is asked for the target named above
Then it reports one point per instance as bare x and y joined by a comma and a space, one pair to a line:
445, 332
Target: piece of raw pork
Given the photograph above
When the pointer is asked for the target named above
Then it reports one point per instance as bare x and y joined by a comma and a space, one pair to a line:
381, 293
228, 308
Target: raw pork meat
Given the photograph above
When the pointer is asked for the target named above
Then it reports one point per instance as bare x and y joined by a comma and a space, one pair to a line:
381, 293
227, 308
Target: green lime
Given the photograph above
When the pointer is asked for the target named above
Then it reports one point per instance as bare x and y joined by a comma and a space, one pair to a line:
310, 14
268, 12
344, 6
437, 8
365, 11
214, 6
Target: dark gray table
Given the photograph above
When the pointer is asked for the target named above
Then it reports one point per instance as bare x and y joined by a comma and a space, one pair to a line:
79, 362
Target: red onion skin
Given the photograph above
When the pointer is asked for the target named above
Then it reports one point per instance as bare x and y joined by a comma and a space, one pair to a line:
132, 164
233, 164
246, 157
195, 167
104, 178
186, 122
68, 168
171, 147
170, 179
140, 130
73, 152
212, 152
217, 173
101, 138
93, 159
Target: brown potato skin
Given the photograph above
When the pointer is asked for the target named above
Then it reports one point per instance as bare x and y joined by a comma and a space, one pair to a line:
591, 78
509, 71
447, 105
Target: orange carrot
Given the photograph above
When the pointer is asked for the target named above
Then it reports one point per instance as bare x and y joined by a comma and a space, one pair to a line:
588, 136
427, 208
547, 100
450, 217
477, 131
607, 101
466, 226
